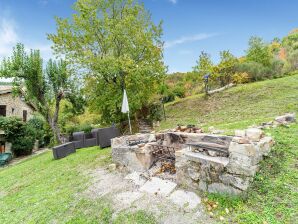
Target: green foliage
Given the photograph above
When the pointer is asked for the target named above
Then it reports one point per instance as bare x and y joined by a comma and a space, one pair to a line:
118, 46
204, 65
39, 126
71, 128
255, 70
258, 51
19, 134
226, 67
44, 89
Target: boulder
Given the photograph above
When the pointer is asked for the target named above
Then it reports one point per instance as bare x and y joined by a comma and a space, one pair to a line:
254, 134
287, 118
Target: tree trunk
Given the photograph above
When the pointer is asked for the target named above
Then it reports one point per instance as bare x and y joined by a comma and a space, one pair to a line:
53, 121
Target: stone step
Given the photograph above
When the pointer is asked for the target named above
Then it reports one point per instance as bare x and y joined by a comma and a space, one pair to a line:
199, 157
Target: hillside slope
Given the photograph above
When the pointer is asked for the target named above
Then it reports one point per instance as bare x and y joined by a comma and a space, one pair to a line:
237, 107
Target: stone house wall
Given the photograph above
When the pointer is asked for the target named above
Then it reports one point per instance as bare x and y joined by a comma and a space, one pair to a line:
15, 106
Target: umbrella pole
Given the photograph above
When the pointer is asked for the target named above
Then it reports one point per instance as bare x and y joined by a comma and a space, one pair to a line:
129, 122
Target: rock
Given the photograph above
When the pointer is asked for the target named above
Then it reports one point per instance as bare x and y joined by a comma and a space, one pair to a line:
222, 189
254, 134
193, 173
265, 145
198, 157
185, 199
202, 185
238, 182
241, 140
112, 167
158, 186
136, 178
240, 133
241, 159
245, 149
241, 169
287, 118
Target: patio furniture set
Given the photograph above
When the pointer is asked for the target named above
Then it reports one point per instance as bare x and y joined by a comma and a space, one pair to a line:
97, 137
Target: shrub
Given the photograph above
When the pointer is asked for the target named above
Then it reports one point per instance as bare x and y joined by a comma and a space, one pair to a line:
179, 91
39, 126
255, 70
240, 78
23, 145
19, 134
71, 128
155, 112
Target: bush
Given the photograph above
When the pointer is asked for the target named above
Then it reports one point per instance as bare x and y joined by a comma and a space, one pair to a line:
255, 70
240, 78
156, 112
39, 126
19, 134
71, 128
179, 91
23, 145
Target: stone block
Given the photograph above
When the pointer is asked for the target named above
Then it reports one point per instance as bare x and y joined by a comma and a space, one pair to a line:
158, 186
265, 145
245, 149
241, 140
222, 189
202, 185
249, 171
236, 181
185, 199
193, 173
254, 134
240, 133
241, 159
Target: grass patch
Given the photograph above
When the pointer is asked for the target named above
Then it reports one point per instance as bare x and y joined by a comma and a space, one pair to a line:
43, 190
237, 107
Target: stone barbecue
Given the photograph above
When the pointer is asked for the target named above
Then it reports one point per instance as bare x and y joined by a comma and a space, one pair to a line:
207, 162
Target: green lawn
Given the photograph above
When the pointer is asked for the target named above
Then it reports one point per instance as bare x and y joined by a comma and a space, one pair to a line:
43, 190
237, 107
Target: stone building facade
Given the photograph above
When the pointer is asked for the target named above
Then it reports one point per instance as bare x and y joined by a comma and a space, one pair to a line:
14, 105
11, 105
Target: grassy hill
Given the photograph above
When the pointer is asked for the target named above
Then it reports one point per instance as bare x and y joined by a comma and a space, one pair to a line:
237, 107
41, 190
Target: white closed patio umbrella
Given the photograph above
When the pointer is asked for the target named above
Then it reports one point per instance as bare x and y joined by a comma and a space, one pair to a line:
125, 108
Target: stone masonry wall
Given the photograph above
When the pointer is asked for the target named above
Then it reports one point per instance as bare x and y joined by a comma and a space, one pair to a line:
15, 103
230, 175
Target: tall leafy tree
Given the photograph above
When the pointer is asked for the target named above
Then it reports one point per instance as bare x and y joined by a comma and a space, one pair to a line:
43, 88
258, 51
117, 45
226, 67
204, 65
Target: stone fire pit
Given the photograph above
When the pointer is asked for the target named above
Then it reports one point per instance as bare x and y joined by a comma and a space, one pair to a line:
201, 161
